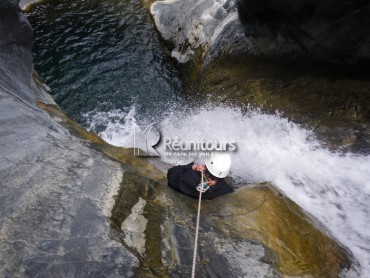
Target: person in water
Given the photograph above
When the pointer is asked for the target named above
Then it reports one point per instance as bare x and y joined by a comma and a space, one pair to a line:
186, 178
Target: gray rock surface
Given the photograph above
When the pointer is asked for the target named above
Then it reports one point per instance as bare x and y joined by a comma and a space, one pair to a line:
56, 192
164, 246
23, 3
209, 27
316, 31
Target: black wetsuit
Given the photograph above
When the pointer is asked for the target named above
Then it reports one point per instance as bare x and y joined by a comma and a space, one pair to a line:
184, 179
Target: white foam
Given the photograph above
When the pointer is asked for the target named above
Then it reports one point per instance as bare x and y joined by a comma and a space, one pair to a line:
333, 186
119, 125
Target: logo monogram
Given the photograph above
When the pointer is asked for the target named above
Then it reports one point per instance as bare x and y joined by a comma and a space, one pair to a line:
144, 141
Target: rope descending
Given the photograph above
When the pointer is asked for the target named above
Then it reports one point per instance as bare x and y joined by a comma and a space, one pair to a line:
202, 187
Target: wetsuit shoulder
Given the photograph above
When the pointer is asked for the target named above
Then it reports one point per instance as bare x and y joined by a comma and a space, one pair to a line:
176, 174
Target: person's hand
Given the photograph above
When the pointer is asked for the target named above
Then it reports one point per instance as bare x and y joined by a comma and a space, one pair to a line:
199, 167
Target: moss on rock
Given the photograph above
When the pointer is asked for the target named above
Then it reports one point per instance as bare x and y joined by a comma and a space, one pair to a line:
265, 215
295, 245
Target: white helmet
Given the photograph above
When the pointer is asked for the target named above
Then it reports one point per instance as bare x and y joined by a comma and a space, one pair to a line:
218, 164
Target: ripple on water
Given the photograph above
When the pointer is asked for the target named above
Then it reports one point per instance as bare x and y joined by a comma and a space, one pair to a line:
102, 56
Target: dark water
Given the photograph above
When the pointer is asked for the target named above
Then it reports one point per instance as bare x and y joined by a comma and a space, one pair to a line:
103, 56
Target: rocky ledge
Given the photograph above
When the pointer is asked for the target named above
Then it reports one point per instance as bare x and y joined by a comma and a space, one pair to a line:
329, 31
306, 59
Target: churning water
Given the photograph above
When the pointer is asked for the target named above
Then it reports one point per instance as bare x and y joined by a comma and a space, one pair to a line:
108, 70
333, 186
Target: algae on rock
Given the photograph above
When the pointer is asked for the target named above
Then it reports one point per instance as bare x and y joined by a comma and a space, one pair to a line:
257, 218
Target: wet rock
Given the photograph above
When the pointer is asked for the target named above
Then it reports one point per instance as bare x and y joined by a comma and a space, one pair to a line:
170, 236
264, 214
24, 3
241, 234
135, 225
333, 31
56, 192
200, 30
56, 197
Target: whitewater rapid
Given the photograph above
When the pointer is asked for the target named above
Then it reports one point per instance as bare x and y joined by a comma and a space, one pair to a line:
332, 186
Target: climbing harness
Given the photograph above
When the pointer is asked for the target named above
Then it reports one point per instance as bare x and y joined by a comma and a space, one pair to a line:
204, 184
202, 187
